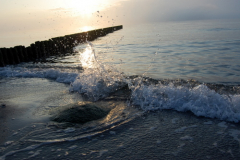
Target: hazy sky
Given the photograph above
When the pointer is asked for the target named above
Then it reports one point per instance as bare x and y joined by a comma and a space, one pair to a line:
178, 10
70, 16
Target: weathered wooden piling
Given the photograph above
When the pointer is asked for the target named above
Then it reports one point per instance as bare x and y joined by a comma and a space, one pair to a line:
28, 51
35, 56
25, 54
10, 56
2, 64
5, 56
15, 55
18, 50
57, 46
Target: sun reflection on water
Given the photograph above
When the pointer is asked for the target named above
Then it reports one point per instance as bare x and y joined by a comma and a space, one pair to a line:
87, 58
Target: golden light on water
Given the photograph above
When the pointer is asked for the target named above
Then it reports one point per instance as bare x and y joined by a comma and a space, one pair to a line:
87, 58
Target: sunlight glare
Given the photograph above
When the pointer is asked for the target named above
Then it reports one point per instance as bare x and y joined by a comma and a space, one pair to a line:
87, 28
87, 58
87, 7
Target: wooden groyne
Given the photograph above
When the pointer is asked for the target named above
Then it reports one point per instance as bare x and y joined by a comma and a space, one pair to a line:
58, 46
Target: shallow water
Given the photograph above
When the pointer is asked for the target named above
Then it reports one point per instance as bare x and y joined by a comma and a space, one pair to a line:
172, 90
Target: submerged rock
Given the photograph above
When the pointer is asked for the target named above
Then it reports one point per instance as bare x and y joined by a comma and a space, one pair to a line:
80, 114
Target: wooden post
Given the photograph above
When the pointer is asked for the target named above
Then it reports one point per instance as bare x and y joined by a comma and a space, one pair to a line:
15, 55
2, 64
34, 52
5, 56
19, 53
40, 50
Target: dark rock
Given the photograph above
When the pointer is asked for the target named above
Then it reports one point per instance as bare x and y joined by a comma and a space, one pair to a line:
80, 114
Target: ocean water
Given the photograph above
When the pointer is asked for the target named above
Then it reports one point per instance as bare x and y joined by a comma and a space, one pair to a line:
172, 88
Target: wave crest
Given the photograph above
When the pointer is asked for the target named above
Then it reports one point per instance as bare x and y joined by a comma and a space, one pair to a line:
200, 100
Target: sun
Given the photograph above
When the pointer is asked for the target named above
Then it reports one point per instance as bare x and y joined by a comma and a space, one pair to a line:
86, 7
86, 28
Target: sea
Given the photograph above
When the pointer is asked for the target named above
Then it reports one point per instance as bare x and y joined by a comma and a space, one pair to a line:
172, 90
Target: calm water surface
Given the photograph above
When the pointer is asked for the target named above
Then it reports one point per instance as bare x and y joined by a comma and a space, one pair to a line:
207, 51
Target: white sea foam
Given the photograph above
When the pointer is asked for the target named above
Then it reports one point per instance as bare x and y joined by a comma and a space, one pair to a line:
63, 76
97, 80
96, 84
200, 100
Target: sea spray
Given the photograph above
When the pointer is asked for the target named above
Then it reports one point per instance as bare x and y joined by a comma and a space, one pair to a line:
88, 58
97, 80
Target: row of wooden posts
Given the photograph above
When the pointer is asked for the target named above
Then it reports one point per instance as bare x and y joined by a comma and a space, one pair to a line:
58, 46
